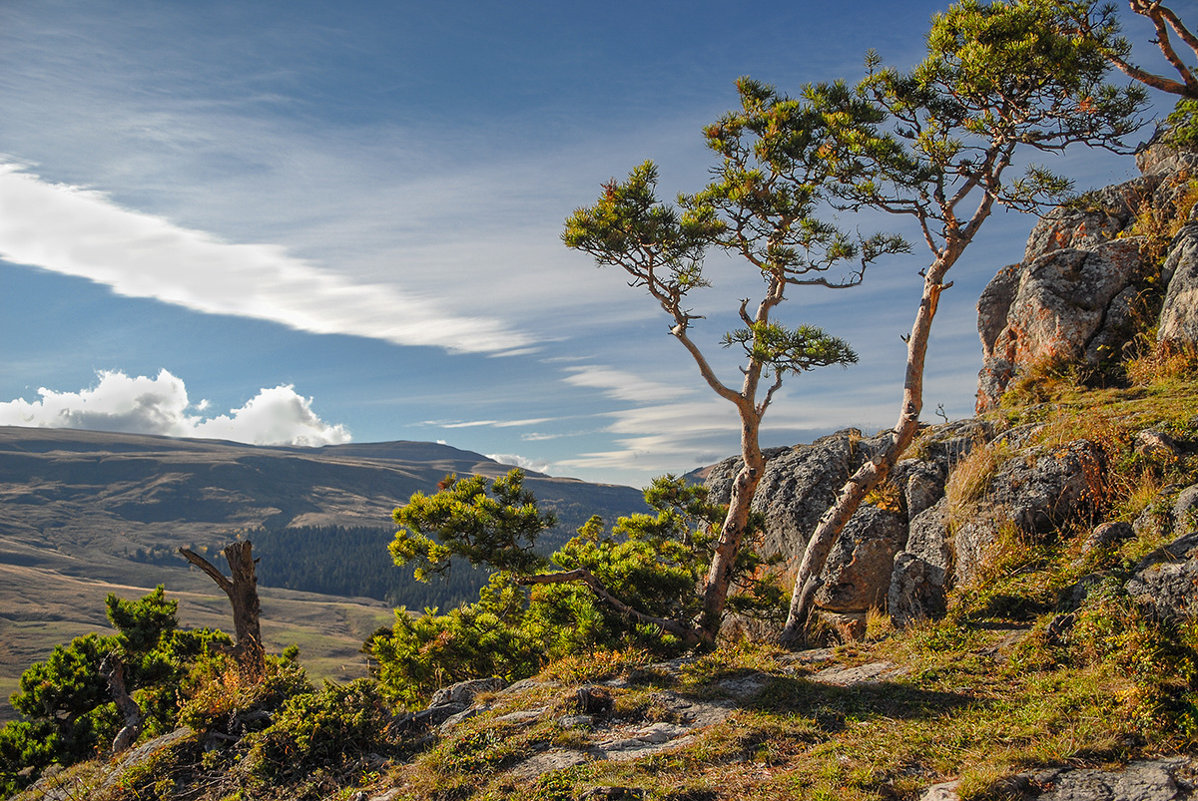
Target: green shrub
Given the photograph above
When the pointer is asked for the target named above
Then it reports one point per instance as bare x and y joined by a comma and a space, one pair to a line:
65, 699
1155, 658
218, 692
1183, 123
650, 562
325, 729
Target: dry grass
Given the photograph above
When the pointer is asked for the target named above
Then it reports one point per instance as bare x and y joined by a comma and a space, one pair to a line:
970, 479
1159, 225
1159, 365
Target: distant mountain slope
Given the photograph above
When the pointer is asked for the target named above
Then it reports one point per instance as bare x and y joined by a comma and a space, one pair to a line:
148, 487
102, 509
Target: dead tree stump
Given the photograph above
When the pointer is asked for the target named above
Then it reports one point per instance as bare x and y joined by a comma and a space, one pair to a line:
242, 590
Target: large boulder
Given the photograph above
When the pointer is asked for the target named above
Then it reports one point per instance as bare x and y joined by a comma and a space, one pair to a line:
1062, 302
1178, 324
856, 576
1166, 779
1086, 284
1167, 579
799, 485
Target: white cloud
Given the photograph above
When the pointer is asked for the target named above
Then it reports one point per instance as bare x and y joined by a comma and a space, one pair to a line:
532, 465
83, 233
623, 385
532, 421
673, 426
536, 436
160, 405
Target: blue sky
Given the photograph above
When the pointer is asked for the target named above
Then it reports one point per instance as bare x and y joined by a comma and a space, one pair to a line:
308, 222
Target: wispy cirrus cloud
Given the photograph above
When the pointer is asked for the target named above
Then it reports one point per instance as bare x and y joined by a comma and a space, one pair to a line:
81, 232
532, 421
686, 426
623, 385
161, 405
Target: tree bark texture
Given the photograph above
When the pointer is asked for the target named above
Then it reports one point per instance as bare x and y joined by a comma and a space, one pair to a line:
242, 590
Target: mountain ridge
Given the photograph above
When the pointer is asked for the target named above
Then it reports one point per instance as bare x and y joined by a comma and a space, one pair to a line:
77, 508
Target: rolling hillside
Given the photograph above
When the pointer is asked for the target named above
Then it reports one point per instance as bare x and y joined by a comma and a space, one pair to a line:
85, 513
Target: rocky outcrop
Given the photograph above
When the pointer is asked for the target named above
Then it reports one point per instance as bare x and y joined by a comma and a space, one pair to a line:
1179, 315
1086, 284
1170, 779
1035, 491
920, 578
900, 553
799, 485
856, 577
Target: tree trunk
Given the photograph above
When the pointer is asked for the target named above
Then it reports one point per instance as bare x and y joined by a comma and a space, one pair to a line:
243, 597
873, 472
113, 669
732, 533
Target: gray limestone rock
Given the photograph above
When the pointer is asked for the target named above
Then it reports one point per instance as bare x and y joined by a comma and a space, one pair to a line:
1063, 298
919, 582
1077, 228
1167, 579
1035, 491
1156, 445
856, 576
1106, 535
1042, 487
462, 693
799, 485
1178, 324
1117, 331
922, 482
995, 302
1078, 295
928, 537
1168, 779
917, 591
1185, 509
1148, 780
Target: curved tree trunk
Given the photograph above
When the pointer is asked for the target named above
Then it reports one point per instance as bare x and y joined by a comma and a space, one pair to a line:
732, 532
873, 472
243, 597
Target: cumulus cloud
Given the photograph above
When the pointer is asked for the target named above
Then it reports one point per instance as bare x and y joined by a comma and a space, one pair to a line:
160, 405
83, 233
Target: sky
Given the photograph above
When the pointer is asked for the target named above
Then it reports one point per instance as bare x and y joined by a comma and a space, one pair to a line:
311, 223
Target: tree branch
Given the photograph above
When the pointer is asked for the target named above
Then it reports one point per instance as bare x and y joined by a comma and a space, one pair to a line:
210, 569
1154, 12
1186, 35
705, 370
584, 576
